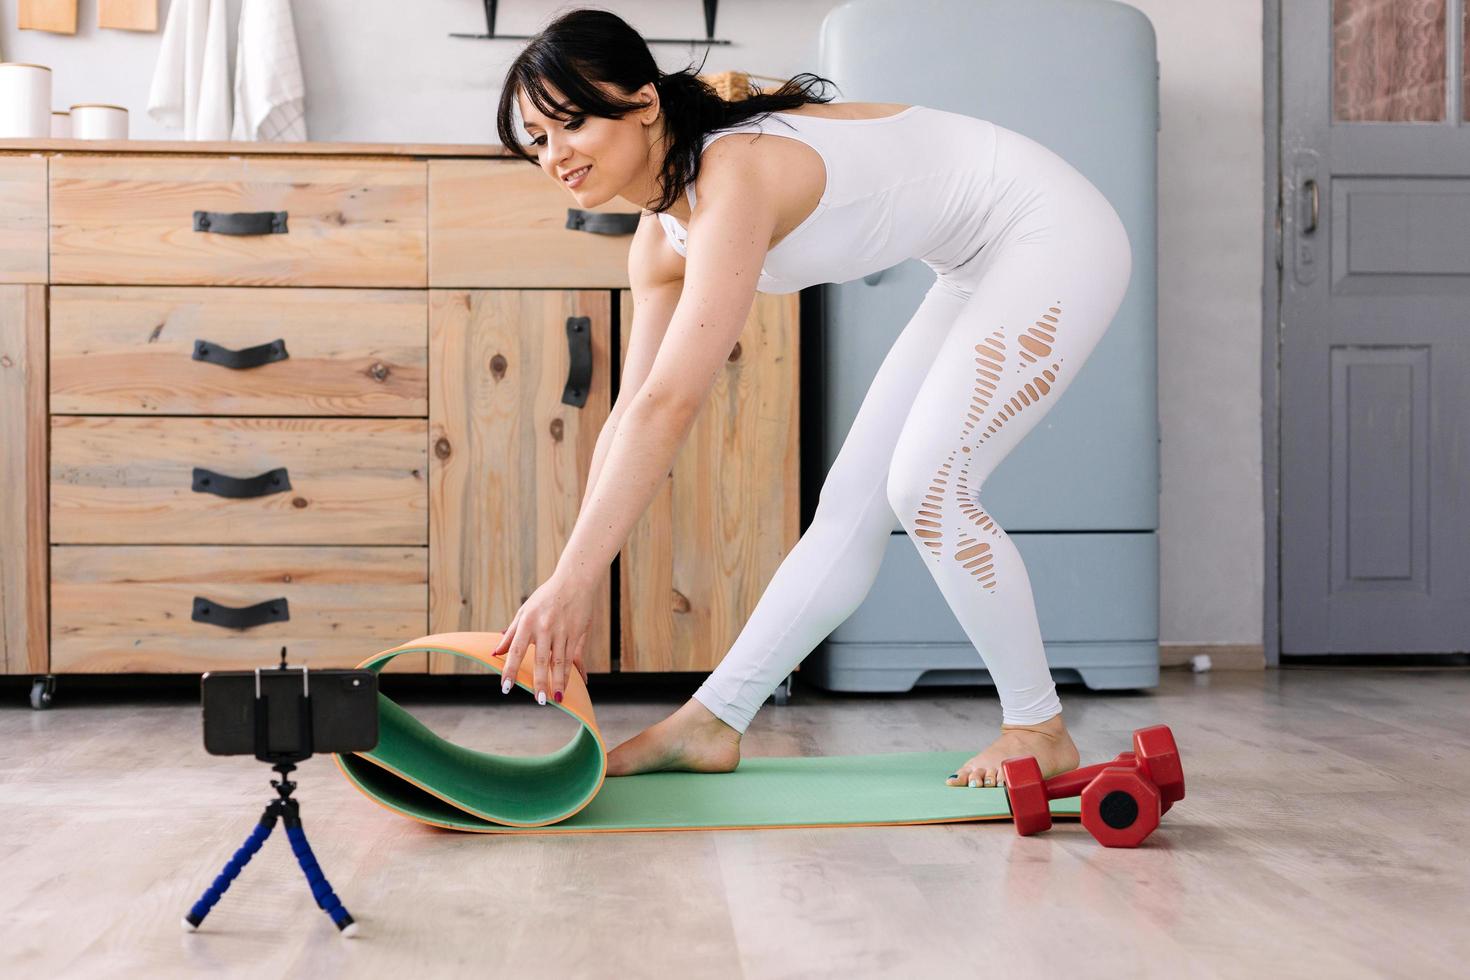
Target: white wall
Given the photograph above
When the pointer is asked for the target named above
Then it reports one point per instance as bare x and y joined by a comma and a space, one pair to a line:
386, 70
1211, 173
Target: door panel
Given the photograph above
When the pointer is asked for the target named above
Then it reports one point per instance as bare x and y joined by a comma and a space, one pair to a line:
1375, 330
699, 560
508, 454
23, 474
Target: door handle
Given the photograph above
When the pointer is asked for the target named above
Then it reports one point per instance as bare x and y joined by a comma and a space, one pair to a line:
1310, 194
276, 610
579, 356
273, 481
601, 222
240, 360
241, 222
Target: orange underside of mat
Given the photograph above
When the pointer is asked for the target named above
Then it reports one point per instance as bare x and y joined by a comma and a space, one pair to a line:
416, 773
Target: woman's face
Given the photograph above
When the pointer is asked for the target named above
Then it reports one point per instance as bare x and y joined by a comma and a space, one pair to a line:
613, 153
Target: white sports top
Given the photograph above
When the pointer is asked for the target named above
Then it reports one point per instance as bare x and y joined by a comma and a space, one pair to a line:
912, 185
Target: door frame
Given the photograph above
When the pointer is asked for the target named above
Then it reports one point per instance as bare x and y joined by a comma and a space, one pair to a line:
1271, 269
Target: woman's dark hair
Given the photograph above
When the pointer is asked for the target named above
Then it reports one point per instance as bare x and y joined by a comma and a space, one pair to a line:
587, 46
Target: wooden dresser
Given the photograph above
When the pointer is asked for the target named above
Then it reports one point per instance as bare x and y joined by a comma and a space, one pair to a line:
335, 397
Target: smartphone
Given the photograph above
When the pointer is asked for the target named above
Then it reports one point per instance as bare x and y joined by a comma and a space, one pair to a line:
343, 702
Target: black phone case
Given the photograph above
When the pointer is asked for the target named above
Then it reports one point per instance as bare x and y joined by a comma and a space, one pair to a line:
344, 710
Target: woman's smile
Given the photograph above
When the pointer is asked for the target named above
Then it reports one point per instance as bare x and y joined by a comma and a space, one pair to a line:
576, 177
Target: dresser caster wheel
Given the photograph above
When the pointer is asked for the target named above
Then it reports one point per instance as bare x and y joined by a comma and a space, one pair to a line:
43, 689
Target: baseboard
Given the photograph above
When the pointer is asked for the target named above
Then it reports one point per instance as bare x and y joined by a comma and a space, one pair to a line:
1223, 656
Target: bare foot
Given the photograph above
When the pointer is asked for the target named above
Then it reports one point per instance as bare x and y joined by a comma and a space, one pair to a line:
691, 739
1049, 742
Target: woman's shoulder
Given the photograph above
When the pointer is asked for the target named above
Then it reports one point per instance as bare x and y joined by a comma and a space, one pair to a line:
742, 165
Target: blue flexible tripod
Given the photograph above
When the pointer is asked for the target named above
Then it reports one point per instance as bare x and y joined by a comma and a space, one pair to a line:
284, 808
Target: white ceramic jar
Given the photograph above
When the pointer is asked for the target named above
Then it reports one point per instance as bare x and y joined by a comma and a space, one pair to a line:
99, 121
60, 124
25, 99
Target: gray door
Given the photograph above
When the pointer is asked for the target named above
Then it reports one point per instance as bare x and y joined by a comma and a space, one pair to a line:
1375, 327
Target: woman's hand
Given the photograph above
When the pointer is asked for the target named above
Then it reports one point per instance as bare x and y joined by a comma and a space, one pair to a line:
556, 620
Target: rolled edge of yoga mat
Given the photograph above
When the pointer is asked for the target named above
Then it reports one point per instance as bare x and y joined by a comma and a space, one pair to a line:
415, 772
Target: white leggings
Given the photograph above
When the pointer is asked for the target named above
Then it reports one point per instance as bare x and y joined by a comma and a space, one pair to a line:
989, 351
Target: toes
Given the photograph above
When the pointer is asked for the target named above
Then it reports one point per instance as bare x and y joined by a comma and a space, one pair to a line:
976, 777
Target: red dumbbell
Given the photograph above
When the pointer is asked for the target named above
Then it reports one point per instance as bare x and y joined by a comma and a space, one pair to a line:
1122, 800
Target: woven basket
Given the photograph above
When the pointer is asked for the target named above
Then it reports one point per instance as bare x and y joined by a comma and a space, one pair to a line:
732, 86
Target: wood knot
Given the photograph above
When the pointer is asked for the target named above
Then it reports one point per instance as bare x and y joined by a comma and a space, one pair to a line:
286, 578
735, 352
558, 428
679, 600
497, 366
298, 502
379, 371
441, 448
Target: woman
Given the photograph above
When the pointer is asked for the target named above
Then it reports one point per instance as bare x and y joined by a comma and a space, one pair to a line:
1031, 264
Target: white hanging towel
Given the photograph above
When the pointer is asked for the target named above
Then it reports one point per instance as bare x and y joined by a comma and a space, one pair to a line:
270, 95
191, 83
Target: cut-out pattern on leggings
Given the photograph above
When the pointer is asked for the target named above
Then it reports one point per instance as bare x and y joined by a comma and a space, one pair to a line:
1038, 341
929, 524
972, 553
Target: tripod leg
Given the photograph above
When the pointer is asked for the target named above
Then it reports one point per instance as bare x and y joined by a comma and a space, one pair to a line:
326, 899
232, 868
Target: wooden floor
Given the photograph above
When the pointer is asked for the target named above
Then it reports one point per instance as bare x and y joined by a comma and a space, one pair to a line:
1324, 835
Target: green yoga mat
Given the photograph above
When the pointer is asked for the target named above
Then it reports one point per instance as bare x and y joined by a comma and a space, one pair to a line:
418, 774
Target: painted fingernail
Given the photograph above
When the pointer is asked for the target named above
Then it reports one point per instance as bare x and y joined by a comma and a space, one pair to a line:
558, 697
540, 697
505, 686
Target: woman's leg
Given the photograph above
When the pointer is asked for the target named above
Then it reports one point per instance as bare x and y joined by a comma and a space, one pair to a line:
829, 571
1034, 318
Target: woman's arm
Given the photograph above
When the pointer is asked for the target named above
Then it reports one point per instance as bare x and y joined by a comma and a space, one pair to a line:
728, 239
656, 277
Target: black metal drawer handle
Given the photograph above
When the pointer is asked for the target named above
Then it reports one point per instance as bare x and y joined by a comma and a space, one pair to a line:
579, 353
241, 222
243, 617
239, 360
208, 481
601, 223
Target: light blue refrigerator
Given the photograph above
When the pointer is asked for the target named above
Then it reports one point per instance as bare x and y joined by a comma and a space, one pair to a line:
1079, 495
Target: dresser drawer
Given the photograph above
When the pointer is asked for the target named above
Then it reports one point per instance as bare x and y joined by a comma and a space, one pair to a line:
132, 480
132, 220
503, 223
201, 351
157, 610
22, 219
